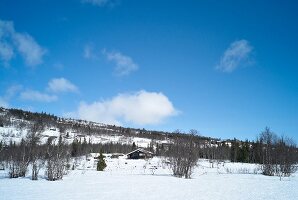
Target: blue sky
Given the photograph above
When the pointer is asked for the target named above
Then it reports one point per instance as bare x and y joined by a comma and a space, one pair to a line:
227, 68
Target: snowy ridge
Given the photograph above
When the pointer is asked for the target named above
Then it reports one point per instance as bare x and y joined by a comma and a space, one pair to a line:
14, 134
14, 129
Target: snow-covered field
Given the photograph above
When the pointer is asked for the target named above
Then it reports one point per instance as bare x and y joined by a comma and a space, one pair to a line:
151, 179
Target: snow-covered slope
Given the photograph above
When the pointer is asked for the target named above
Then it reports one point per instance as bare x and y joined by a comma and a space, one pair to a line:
14, 127
14, 134
16, 124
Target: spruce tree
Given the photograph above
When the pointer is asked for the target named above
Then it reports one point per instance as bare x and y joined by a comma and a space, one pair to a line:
134, 146
101, 164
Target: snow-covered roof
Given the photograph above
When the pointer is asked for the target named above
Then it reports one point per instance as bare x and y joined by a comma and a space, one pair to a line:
140, 149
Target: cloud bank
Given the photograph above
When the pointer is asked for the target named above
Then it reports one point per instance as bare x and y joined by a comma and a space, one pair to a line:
140, 108
237, 55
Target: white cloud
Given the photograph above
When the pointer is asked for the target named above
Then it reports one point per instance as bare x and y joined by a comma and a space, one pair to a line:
13, 90
6, 28
141, 108
12, 41
55, 85
6, 49
61, 85
124, 64
100, 3
238, 54
9, 93
89, 52
6, 52
33, 95
29, 49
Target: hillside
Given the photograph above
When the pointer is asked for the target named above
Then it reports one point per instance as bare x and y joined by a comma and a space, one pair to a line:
15, 124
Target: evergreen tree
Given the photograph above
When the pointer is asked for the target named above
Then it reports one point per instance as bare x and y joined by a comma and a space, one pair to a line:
101, 164
245, 151
76, 148
134, 146
234, 150
84, 146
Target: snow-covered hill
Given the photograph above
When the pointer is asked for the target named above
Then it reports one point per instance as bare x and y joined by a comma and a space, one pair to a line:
14, 127
14, 134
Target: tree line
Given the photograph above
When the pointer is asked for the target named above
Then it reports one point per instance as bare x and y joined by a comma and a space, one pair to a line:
276, 154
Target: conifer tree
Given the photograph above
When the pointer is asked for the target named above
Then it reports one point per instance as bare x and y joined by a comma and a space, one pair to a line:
101, 164
134, 146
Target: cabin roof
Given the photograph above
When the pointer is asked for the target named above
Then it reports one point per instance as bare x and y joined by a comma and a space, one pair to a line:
140, 149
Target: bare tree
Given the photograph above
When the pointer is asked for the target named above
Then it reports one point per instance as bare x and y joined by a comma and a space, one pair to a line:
23, 159
17, 159
1, 152
183, 155
268, 139
56, 159
278, 154
285, 161
36, 154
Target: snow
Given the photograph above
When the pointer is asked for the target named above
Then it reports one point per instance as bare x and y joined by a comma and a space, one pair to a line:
134, 179
141, 179
14, 134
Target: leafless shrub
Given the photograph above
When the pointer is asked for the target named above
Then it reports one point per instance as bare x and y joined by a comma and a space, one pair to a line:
183, 155
56, 159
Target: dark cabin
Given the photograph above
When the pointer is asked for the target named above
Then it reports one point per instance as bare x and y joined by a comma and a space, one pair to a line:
139, 154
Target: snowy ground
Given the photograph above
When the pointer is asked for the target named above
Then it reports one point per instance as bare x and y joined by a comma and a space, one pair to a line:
134, 179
